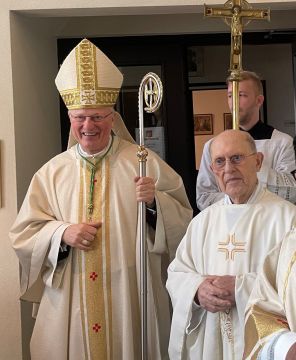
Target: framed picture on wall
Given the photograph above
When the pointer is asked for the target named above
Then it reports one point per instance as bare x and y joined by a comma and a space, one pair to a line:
203, 124
227, 121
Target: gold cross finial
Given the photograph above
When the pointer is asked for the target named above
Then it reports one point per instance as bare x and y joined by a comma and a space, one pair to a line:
235, 12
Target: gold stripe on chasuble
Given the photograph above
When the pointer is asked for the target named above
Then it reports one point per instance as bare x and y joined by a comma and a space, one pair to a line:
95, 268
259, 325
291, 264
226, 328
226, 325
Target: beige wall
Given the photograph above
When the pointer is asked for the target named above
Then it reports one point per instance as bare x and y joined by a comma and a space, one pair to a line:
29, 126
10, 312
212, 102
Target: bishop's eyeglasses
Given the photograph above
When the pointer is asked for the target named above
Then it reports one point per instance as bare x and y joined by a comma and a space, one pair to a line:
219, 163
95, 118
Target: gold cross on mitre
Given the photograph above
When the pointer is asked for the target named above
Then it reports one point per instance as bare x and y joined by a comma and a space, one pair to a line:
240, 13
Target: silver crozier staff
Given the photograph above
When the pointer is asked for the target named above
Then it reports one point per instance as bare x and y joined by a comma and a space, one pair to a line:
150, 90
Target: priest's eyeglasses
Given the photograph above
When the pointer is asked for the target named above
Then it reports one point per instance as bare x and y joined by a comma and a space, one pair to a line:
237, 159
95, 118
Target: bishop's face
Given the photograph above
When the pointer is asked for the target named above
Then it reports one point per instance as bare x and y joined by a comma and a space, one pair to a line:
92, 128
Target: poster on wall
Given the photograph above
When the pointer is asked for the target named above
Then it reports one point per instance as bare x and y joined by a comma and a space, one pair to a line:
153, 139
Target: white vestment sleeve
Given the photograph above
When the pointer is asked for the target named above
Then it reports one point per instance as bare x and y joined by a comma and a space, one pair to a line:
278, 163
33, 234
243, 288
173, 209
207, 191
278, 346
282, 346
52, 277
182, 284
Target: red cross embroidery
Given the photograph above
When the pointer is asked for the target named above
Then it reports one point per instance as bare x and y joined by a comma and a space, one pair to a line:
282, 322
93, 276
96, 327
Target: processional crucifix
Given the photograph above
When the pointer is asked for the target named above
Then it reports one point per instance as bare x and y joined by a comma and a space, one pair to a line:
236, 13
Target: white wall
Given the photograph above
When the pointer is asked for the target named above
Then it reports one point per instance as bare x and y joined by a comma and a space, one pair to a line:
274, 63
36, 109
10, 311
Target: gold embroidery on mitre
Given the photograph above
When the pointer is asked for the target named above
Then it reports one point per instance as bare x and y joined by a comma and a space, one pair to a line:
231, 246
259, 325
88, 93
75, 99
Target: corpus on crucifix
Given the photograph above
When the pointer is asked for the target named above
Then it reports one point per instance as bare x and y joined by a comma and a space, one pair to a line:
234, 13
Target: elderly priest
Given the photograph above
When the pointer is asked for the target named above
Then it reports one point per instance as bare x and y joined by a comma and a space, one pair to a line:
217, 261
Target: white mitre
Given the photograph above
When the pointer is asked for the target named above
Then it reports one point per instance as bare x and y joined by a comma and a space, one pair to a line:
88, 78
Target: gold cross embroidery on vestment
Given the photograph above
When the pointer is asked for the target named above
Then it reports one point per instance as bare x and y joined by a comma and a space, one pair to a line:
231, 246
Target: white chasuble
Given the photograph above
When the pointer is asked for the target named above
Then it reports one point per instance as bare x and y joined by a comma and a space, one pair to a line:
270, 310
89, 302
224, 239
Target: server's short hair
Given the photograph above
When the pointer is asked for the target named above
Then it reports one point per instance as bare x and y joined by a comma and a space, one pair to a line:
250, 75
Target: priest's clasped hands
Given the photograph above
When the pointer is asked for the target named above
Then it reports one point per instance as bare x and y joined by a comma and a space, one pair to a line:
216, 293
